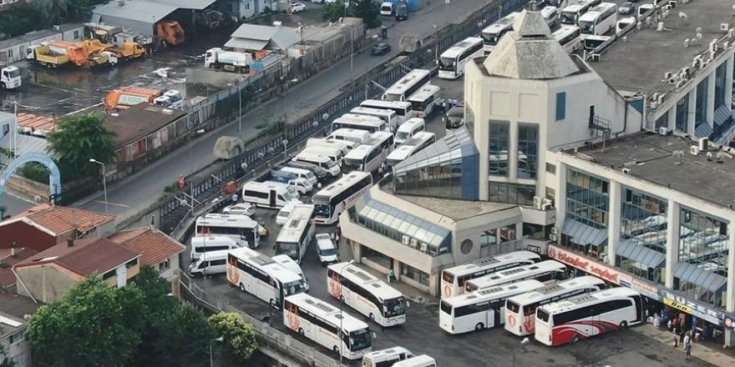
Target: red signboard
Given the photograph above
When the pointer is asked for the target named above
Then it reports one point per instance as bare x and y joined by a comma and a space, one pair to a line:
588, 266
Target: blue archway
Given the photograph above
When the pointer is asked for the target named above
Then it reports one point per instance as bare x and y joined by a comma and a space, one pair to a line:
54, 176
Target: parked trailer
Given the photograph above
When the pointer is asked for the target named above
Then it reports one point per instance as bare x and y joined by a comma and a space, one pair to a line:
217, 58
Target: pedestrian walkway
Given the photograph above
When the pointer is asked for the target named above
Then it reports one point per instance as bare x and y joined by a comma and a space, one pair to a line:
703, 351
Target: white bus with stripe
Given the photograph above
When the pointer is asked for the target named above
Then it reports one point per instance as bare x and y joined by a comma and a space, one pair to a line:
543, 271
454, 278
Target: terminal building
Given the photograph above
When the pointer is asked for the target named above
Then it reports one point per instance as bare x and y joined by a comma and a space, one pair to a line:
601, 168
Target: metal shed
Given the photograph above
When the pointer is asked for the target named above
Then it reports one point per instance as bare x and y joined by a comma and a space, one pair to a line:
14, 49
141, 16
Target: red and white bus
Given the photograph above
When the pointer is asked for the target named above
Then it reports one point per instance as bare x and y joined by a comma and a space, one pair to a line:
454, 278
520, 310
581, 317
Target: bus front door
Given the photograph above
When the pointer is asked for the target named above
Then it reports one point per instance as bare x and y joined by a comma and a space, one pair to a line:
272, 199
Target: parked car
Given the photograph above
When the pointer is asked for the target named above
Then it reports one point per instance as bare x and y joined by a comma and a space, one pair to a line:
297, 7
381, 48
627, 8
326, 249
243, 208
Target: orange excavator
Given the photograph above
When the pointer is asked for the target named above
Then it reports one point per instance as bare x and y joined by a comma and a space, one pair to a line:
170, 31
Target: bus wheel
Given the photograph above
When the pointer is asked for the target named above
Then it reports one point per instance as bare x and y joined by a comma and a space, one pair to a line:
272, 302
336, 349
575, 339
623, 325
479, 326
372, 317
301, 331
242, 287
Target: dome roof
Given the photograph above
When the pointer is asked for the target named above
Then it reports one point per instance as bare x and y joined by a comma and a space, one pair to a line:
529, 52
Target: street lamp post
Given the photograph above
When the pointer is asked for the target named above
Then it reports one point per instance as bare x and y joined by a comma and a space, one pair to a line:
211, 359
104, 180
191, 167
239, 112
436, 43
446, 10
341, 302
285, 148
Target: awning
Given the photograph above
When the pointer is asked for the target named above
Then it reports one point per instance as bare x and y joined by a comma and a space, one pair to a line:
701, 277
246, 44
722, 113
634, 250
583, 234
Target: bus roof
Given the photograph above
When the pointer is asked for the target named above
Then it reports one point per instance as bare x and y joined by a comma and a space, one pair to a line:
280, 272
424, 93
370, 111
297, 221
548, 10
344, 182
419, 138
226, 220
597, 11
514, 273
355, 119
461, 46
310, 155
550, 290
328, 312
367, 280
563, 31
352, 133
408, 79
389, 352
278, 186
501, 291
402, 152
388, 104
418, 361
470, 268
502, 23
589, 298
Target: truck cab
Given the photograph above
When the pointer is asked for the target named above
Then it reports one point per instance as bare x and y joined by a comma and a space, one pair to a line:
401, 11
10, 77
170, 99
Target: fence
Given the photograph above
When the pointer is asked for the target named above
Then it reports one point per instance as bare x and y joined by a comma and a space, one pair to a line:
173, 211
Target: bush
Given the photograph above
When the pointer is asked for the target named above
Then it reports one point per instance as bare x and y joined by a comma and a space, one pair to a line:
35, 171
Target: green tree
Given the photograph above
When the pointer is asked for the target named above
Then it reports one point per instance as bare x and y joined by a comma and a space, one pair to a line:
368, 10
184, 337
79, 138
333, 11
24, 17
89, 327
238, 337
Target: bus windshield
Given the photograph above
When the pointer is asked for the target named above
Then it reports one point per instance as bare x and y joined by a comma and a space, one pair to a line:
289, 248
542, 315
568, 17
328, 252
360, 340
447, 63
395, 307
512, 306
587, 27
491, 38
446, 307
352, 164
402, 135
294, 287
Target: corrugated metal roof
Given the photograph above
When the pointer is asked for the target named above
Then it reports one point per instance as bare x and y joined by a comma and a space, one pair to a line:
139, 10
246, 44
282, 37
188, 4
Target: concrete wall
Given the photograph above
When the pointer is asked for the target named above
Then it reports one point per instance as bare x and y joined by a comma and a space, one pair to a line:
215, 79
46, 283
19, 349
172, 271
28, 189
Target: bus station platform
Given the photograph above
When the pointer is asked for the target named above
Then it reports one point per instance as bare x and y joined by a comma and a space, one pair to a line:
705, 351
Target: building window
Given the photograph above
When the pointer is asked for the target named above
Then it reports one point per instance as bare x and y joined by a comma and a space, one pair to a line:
527, 150
499, 145
642, 233
720, 82
488, 238
550, 193
682, 113
561, 106
501, 192
16, 338
131, 263
663, 121
550, 168
700, 110
164, 265
376, 257
414, 274
76, 34
587, 199
108, 275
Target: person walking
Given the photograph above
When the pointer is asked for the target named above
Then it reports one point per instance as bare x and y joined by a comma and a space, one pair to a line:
688, 345
235, 198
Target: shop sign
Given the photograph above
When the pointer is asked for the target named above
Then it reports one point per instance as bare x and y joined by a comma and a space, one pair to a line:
699, 310
588, 266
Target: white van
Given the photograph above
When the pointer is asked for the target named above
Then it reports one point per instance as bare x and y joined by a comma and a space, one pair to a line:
298, 184
301, 173
343, 145
386, 357
354, 135
326, 250
283, 214
210, 263
268, 194
386, 9
293, 266
408, 129
550, 15
320, 160
334, 153
418, 361
205, 244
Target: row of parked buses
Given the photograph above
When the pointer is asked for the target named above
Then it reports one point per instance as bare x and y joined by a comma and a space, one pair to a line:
531, 297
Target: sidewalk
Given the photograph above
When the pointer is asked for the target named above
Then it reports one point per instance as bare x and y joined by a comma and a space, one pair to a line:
717, 357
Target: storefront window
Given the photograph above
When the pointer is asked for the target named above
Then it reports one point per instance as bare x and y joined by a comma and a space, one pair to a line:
415, 274
376, 257
499, 145
642, 248
527, 150
501, 192
489, 237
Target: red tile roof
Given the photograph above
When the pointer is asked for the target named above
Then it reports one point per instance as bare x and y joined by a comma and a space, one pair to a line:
61, 219
86, 256
154, 246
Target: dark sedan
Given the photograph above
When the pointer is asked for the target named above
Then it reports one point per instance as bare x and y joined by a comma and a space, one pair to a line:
381, 49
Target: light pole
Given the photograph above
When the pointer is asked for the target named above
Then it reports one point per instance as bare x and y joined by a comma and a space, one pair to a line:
446, 9
285, 148
239, 112
341, 301
104, 180
436, 43
515, 350
211, 359
191, 168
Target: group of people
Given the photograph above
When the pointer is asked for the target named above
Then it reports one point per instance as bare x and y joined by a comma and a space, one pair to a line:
447, 105
682, 331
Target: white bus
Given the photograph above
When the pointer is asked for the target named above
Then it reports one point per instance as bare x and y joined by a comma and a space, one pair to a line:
453, 60
343, 145
271, 195
327, 326
423, 101
239, 227
335, 153
454, 278
370, 124
262, 277
370, 156
324, 162
543, 271
598, 20
331, 201
389, 116
569, 36
413, 145
520, 310
588, 315
296, 235
571, 13
550, 15
408, 85
366, 294
386, 357
401, 108
418, 361
482, 309
349, 136
492, 34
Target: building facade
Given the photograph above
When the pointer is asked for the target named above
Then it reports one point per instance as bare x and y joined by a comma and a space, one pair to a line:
13, 341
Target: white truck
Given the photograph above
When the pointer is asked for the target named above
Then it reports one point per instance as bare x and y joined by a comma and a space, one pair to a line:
170, 99
217, 58
10, 77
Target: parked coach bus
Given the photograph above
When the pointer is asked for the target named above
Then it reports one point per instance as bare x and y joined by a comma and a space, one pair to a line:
454, 278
